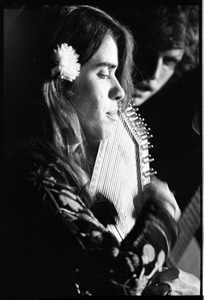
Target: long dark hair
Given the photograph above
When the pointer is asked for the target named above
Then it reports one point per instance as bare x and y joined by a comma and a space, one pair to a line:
42, 103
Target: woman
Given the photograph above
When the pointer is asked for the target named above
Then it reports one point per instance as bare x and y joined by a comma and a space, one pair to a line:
69, 77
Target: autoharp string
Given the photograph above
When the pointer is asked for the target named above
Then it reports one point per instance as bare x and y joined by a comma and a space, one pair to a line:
117, 162
122, 167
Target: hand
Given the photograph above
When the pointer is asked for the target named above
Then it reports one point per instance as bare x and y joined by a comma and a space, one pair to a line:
173, 281
160, 191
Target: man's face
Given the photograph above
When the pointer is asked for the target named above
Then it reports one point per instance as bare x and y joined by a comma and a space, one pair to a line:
154, 69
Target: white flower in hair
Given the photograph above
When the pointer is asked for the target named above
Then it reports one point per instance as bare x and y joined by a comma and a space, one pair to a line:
67, 60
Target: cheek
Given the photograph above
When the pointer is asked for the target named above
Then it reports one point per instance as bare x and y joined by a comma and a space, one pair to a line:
87, 102
82, 91
164, 77
168, 72
86, 88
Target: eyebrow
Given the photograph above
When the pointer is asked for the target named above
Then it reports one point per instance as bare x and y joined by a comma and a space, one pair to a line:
106, 64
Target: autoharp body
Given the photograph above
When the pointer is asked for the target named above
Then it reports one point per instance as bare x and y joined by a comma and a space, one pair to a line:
122, 168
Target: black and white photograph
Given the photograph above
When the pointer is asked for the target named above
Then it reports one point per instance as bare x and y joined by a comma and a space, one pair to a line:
102, 159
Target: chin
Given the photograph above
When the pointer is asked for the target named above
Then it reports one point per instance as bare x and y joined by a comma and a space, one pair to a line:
104, 132
102, 136
108, 134
139, 101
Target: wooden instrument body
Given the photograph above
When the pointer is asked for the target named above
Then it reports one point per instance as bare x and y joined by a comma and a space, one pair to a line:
186, 252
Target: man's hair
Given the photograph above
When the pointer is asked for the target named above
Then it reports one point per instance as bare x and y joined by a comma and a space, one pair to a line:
168, 27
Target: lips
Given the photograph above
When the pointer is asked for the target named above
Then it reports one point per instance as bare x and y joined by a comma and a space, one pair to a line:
113, 114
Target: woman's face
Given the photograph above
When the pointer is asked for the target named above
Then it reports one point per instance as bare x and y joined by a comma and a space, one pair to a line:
97, 91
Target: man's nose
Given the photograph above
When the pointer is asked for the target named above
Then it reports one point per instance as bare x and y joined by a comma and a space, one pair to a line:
156, 69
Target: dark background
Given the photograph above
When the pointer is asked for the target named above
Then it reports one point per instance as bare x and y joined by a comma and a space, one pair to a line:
169, 114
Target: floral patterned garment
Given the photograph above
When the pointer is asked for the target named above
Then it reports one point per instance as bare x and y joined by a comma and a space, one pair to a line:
83, 249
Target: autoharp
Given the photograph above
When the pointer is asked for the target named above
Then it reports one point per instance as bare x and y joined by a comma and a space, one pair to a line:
122, 168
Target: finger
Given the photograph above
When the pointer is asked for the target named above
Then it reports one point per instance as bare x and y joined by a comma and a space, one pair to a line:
167, 197
154, 179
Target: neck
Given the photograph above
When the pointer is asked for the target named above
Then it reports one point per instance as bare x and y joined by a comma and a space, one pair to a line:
92, 150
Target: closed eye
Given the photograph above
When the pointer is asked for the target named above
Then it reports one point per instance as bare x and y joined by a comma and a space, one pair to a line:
101, 75
106, 70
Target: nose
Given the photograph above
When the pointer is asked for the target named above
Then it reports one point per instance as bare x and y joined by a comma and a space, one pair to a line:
156, 71
116, 92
